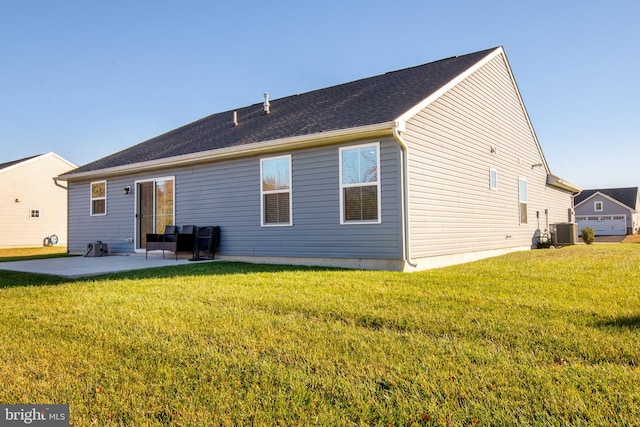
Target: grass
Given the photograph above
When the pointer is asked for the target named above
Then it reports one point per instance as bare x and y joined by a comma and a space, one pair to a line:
19, 254
547, 337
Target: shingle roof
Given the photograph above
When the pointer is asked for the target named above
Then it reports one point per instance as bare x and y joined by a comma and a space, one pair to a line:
15, 162
368, 101
627, 196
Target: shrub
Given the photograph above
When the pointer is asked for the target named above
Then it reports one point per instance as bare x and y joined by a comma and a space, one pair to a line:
588, 235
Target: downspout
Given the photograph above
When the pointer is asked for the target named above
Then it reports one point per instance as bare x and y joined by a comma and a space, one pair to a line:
55, 181
398, 130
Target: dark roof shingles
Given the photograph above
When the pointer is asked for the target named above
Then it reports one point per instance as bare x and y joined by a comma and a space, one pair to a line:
15, 162
372, 100
627, 196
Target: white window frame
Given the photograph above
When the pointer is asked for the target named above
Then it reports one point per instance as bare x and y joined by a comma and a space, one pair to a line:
31, 213
91, 198
595, 206
493, 179
523, 199
279, 191
377, 183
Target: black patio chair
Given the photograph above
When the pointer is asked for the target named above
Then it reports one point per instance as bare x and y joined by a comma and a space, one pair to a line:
206, 242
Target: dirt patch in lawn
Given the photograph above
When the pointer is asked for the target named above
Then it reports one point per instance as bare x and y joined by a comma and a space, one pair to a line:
633, 238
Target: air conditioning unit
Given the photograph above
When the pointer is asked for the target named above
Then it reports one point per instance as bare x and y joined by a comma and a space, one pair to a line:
564, 233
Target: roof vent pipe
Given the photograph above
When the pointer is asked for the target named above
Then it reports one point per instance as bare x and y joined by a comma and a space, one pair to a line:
266, 103
235, 118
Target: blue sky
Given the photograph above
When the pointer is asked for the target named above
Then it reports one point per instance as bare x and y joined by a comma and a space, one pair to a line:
86, 79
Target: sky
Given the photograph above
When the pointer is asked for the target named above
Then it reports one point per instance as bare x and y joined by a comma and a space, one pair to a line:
86, 79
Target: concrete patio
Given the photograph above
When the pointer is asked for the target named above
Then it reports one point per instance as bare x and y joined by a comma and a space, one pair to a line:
78, 266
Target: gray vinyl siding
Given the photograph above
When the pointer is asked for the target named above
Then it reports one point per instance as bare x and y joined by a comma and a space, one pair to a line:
113, 228
609, 207
228, 194
587, 208
452, 208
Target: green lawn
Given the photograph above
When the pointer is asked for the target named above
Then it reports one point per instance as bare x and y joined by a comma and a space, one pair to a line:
547, 337
32, 253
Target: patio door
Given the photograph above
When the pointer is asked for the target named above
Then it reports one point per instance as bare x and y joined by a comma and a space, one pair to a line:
155, 206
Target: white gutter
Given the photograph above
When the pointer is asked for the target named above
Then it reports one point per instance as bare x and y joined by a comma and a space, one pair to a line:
289, 143
398, 131
560, 183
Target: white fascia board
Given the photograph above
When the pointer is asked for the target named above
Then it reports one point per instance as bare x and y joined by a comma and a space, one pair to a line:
38, 158
276, 145
604, 196
62, 159
560, 183
460, 77
9, 168
499, 51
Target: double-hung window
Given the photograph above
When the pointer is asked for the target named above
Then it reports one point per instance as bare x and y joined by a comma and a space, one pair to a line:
360, 184
524, 198
275, 189
99, 198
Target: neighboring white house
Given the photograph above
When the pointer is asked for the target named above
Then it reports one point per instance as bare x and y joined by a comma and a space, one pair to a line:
33, 202
609, 211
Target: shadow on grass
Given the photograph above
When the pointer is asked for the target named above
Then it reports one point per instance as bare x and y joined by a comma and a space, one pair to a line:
10, 279
211, 268
31, 257
626, 322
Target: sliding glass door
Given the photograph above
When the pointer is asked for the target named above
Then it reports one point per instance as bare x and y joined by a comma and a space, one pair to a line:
155, 208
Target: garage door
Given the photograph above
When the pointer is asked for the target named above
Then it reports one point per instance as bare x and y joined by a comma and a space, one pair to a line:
604, 225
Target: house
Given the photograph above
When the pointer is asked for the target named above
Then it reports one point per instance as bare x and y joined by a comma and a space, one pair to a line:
34, 202
608, 211
417, 168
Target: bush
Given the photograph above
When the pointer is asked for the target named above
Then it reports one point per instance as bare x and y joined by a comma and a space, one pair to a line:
588, 235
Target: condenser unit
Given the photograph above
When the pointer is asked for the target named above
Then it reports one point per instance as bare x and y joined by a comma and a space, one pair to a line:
564, 233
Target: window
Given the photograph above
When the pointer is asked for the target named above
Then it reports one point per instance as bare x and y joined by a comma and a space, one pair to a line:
493, 179
34, 213
598, 206
275, 190
522, 192
99, 198
360, 184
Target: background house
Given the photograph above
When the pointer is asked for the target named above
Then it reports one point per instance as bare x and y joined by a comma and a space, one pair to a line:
609, 211
417, 168
33, 202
